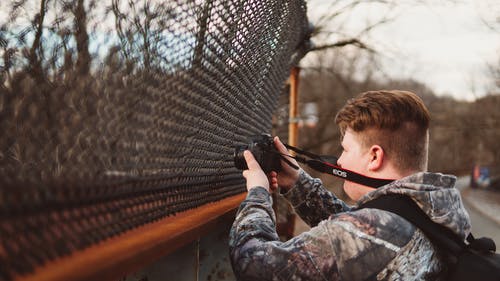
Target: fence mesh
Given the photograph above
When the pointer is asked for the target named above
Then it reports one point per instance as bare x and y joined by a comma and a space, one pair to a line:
118, 113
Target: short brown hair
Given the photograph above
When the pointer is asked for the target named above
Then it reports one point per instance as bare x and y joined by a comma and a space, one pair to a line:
396, 120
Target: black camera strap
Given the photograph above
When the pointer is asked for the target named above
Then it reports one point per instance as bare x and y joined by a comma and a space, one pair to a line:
328, 165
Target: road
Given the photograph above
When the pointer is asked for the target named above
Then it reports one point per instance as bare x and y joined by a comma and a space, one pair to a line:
481, 225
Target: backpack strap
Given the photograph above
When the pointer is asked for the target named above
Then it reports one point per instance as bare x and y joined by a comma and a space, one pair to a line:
483, 244
405, 207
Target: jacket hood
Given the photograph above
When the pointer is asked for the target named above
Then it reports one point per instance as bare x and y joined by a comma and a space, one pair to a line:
435, 194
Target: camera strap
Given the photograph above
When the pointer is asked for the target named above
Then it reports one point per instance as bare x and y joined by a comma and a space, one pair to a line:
328, 165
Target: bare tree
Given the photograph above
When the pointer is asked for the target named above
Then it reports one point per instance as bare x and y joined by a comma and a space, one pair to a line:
331, 27
82, 39
35, 51
495, 74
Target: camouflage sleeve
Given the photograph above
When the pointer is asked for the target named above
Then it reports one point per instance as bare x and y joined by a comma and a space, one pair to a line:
256, 251
312, 202
337, 249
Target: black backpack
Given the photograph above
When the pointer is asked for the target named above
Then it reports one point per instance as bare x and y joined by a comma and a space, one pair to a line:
475, 260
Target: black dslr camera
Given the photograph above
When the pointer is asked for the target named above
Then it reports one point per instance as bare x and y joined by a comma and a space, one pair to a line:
262, 148
269, 159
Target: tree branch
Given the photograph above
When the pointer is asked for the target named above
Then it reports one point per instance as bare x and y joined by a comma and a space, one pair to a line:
344, 43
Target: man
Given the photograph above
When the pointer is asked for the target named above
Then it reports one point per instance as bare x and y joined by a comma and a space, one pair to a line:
384, 135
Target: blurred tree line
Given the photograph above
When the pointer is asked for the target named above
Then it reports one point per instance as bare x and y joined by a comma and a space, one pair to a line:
462, 133
47, 52
344, 62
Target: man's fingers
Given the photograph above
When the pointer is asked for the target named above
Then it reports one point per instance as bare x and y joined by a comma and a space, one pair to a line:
254, 174
251, 162
279, 145
245, 174
273, 181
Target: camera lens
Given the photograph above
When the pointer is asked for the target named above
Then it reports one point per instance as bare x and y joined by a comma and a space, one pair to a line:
239, 159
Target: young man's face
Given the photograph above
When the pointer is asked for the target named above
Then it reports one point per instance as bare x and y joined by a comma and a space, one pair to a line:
355, 158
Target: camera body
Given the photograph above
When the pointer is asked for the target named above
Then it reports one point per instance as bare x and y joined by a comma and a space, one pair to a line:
264, 151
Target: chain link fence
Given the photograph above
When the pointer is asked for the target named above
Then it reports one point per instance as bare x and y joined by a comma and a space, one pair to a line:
118, 113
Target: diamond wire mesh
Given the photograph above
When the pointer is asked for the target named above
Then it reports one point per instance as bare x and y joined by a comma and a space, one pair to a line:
117, 113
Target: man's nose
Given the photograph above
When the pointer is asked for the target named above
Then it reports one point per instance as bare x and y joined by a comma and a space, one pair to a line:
339, 161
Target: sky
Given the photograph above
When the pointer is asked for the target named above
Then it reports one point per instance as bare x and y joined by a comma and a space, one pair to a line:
442, 43
446, 44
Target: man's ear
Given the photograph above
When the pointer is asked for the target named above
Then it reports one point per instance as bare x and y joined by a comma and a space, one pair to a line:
377, 155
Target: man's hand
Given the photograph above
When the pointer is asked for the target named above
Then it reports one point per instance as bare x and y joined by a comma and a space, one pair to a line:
254, 175
288, 176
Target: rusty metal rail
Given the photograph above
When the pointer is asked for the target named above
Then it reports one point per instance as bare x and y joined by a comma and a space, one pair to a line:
115, 257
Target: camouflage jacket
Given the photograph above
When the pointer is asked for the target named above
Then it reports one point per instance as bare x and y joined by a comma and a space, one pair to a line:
345, 243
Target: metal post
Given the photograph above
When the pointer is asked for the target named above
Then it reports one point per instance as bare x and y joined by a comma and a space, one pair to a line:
293, 128
293, 125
